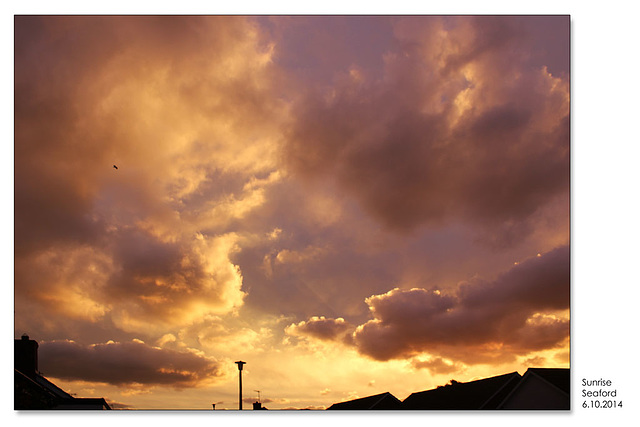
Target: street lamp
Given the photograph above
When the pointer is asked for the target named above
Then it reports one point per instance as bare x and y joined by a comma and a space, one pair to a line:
240, 365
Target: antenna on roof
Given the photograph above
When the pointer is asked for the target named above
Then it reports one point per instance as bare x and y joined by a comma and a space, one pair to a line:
258, 396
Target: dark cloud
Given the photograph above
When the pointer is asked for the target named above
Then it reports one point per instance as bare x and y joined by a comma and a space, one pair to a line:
465, 129
302, 43
540, 283
507, 314
126, 363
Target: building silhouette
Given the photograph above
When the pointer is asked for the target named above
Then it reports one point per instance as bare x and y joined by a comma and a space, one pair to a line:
538, 388
383, 401
32, 391
486, 393
257, 406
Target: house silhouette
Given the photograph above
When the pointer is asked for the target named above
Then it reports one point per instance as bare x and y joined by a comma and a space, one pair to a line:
541, 388
486, 393
32, 391
538, 388
383, 401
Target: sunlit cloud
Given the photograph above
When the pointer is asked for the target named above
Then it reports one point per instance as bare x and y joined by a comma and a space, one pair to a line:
407, 322
68, 282
437, 365
338, 200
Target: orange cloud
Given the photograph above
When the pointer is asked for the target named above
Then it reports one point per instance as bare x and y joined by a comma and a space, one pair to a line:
183, 107
437, 365
273, 168
482, 322
500, 317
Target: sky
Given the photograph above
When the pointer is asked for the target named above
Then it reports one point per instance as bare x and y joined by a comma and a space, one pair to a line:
351, 205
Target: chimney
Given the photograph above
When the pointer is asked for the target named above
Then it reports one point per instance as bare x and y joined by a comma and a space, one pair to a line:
26, 356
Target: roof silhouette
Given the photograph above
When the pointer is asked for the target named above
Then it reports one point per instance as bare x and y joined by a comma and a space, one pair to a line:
541, 388
486, 393
33, 391
382, 401
557, 376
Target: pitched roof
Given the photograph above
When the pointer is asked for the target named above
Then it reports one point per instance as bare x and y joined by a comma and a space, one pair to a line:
37, 392
559, 377
480, 394
34, 391
377, 402
528, 394
51, 387
28, 394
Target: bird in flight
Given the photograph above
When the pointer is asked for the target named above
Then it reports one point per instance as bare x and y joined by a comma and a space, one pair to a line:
115, 167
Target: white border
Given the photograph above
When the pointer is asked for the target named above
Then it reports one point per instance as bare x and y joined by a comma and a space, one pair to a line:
605, 212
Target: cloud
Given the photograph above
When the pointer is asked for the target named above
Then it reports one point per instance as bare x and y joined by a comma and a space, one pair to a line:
265, 172
174, 283
320, 328
166, 98
437, 139
165, 339
220, 337
127, 364
481, 322
287, 256
536, 361
437, 366
183, 107
521, 311
137, 282
72, 284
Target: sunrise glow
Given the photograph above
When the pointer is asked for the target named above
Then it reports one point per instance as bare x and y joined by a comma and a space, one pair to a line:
351, 205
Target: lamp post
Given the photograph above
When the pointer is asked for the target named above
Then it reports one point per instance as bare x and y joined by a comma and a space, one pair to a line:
240, 365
